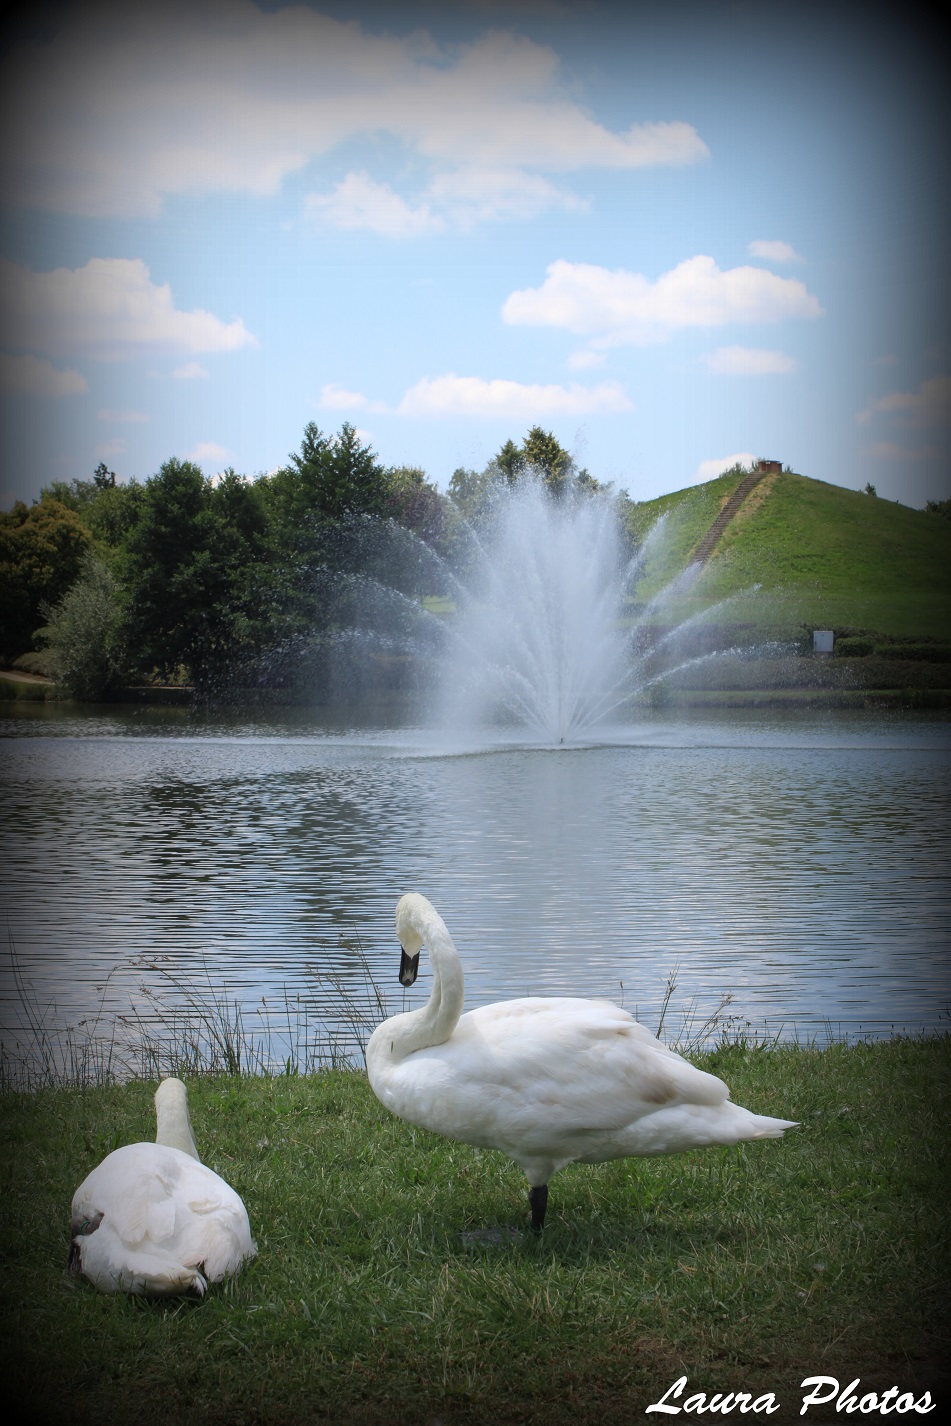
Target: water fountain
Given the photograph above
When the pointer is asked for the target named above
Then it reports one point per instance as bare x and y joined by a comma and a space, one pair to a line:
543, 630
547, 634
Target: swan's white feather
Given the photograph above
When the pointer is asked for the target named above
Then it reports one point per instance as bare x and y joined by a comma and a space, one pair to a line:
153, 1219
548, 1081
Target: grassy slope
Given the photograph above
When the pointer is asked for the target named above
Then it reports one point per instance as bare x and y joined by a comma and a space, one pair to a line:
745, 1268
824, 556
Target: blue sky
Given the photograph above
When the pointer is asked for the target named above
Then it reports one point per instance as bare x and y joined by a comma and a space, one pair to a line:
674, 234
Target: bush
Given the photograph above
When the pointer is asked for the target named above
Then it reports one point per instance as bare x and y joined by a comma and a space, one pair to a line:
853, 648
83, 639
928, 653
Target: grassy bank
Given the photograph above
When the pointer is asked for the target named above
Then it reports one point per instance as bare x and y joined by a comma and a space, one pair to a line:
744, 1269
819, 555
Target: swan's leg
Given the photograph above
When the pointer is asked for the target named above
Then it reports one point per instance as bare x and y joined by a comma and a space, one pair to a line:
538, 1199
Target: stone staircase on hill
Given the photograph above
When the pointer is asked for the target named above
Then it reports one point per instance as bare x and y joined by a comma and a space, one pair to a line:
710, 540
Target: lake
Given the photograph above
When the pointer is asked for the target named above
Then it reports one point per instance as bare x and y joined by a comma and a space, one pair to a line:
796, 861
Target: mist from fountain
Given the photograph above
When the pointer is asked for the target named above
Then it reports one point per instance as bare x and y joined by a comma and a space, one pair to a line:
541, 630
546, 634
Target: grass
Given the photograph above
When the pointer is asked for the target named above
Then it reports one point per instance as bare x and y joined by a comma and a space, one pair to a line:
744, 1269
820, 555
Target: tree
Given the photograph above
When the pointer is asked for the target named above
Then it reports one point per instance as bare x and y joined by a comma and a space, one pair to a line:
416, 504
939, 507
187, 566
511, 461
83, 636
41, 553
547, 458
332, 477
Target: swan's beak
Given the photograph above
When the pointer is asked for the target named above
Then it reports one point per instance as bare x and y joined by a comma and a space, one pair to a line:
409, 966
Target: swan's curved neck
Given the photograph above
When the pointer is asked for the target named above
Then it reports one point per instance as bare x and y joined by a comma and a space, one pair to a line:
172, 1125
435, 1022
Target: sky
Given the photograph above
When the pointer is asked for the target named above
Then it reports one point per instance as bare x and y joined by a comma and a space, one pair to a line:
674, 234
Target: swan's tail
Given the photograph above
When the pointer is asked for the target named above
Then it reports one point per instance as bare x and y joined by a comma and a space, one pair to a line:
764, 1127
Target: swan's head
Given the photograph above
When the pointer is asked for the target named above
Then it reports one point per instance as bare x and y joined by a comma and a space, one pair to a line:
411, 912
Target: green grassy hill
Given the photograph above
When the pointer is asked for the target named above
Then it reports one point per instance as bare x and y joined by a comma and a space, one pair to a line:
823, 556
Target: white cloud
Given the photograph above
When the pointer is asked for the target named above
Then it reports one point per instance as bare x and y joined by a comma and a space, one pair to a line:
748, 361
584, 359
32, 376
106, 449
359, 202
925, 408
773, 250
453, 395
710, 469
125, 105
337, 398
616, 306
454, 200
208, 453
191, 371
122, 417
108, 309
890, 451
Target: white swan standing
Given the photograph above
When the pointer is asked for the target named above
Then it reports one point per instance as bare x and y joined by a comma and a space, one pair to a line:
549, 1081
153, 1219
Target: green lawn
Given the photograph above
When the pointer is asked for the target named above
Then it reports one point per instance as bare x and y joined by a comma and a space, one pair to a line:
822, 555
744, 1269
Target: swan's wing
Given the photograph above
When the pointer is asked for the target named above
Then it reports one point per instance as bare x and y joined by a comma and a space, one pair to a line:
533, 1074
589, 1056
112, 1266
133, 1189
160, 1200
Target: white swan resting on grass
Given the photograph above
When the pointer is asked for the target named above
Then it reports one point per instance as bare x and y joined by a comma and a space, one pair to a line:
549, 1081
153, 1219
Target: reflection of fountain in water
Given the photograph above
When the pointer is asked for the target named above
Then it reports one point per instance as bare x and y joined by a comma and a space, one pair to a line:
543, 633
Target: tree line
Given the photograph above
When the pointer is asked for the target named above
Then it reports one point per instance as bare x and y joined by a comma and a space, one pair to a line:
233, 581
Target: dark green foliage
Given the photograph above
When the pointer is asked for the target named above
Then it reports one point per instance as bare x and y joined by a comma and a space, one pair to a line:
511, 461
547, 458
41, 553
939, 507
330, 479
189, 571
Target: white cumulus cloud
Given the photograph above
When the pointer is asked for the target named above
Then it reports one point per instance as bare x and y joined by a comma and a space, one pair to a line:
208, 453
748, 361
615, 307
453, 395
124, 105
190, 371
33, 376
925, 408
109, 308
773, 250
338, 398
359, 202
710, 469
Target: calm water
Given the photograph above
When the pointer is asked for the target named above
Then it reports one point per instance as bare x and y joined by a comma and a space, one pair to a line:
798, 862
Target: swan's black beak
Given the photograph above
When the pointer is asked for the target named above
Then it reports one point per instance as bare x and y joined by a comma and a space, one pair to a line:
409, 966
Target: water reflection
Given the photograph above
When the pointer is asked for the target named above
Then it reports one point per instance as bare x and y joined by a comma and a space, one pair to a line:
798, 863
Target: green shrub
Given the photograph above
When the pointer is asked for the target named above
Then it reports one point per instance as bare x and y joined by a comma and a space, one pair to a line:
853, 648
928, 653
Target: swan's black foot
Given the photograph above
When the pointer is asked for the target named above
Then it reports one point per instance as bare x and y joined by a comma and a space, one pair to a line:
538, 1199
